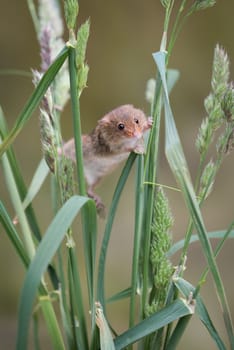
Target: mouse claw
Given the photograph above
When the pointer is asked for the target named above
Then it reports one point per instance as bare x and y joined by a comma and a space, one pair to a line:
101, 209
150, 121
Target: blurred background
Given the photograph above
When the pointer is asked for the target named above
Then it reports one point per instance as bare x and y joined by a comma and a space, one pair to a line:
124, 34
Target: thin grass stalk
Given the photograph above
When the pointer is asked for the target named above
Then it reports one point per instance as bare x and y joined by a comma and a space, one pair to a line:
151, 174
36, 341
190, 227
13, 235
51, 322
216, 252
168, 12
178, 333
75, 337
17, 205
64, 309
33, 12
107, 232
76, 121
89, 242
22, 189
79, 326
139, 210
176, 28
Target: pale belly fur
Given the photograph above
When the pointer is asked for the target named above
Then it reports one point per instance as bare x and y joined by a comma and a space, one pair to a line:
96, 168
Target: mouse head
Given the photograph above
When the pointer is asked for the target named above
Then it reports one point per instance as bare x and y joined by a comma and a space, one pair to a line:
124, 124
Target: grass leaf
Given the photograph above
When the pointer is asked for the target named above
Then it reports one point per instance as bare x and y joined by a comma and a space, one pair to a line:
151, 324
186, 288
37, 181
45, 252
178, 164
109, 223
195, 238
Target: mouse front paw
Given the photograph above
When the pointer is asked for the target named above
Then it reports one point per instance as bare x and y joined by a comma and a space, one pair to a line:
150, 122
140, 147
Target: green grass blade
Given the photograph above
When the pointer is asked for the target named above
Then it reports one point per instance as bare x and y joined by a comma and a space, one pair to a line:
126, 293
13, 235
51, 322
35, 99
176, 159
151, 324
195, 238
186, 289
45, 252
38, 179
151, 172
11, 168
17, 205
66, 318
139, 213
107, 233
76, 301
89, 236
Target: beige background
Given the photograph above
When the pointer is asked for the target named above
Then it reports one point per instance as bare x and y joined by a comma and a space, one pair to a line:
123, 36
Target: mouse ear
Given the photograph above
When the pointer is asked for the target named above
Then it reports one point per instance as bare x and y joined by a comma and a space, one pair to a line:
127, 106
105, 120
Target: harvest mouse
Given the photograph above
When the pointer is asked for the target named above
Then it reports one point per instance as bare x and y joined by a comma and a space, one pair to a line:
117, 134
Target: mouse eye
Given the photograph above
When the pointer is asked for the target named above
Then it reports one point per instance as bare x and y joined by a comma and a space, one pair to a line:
120, 126
136, 120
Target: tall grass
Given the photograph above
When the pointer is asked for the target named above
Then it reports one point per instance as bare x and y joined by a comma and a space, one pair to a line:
161, 301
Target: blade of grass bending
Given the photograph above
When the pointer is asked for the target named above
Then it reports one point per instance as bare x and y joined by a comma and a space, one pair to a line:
126, 293
107, 233
35, 99
179, 167
151, 324
37, 181
195, 238
45, 252
187, 289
